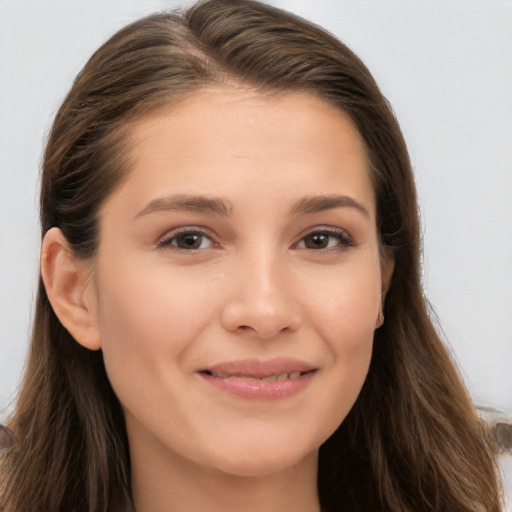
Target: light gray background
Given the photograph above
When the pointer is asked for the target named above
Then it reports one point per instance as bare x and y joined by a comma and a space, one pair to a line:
445, 66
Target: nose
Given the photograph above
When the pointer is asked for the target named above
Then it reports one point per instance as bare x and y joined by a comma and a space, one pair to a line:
262, 299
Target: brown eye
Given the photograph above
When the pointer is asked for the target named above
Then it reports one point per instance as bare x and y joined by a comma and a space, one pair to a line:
321, 240
317, 241
188, 240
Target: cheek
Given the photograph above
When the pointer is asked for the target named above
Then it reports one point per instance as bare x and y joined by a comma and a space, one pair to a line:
147, 320
346, 320
347, 309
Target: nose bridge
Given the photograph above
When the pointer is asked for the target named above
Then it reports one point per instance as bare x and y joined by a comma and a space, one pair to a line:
261, 300
266, 270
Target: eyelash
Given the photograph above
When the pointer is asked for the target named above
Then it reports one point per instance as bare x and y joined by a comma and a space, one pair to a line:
343, 239
184, 231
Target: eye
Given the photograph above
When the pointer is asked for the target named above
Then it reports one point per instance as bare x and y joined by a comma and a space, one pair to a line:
325, 239
187, 239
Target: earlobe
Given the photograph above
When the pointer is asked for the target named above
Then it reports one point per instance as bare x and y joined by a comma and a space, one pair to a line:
68, 285
380, 318
387, 267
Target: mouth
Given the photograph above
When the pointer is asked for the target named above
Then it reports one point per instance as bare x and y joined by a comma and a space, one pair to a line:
264, 380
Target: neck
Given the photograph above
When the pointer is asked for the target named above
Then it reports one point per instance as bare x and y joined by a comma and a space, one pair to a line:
163, 481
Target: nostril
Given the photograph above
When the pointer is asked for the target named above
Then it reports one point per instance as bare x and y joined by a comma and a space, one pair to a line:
262, 316
263, 331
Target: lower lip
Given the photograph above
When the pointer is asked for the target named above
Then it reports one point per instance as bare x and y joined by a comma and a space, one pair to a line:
259, 389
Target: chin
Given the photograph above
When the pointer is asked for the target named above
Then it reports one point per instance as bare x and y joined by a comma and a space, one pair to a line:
261, 462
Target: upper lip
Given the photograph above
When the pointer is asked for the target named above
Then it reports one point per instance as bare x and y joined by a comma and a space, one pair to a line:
260, 368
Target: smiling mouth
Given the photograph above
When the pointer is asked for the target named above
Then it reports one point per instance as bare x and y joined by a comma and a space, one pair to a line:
253, 379
266, 378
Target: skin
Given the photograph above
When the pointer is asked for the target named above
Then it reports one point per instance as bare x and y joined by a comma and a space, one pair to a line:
178, 286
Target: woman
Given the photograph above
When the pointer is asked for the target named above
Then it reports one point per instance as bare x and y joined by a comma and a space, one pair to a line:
230, 314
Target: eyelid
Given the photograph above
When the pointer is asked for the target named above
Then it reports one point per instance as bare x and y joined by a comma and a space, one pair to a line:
165, 240
344, 237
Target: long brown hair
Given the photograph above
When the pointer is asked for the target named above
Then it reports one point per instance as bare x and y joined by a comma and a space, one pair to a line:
412, 441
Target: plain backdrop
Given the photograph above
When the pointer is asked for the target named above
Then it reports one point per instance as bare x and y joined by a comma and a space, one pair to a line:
445, 66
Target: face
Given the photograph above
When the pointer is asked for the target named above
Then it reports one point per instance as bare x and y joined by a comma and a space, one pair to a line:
238, 280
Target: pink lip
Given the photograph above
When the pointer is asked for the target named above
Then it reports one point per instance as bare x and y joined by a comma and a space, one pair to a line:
242, 377
259, 369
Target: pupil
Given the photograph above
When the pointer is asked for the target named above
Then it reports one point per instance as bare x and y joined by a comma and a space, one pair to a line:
190, 240
317, 240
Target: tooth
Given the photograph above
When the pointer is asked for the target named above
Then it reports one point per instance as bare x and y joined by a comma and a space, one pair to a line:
283, 376
294, 375
271, 378
220, 375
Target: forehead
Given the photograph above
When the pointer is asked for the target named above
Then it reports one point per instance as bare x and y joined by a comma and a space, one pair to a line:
224, 109
224, 140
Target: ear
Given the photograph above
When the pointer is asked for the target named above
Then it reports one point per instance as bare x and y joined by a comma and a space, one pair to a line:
70, 289
387, 267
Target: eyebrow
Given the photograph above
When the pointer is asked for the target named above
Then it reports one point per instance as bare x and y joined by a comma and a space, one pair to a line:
188, 202
315, 204
224, 207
